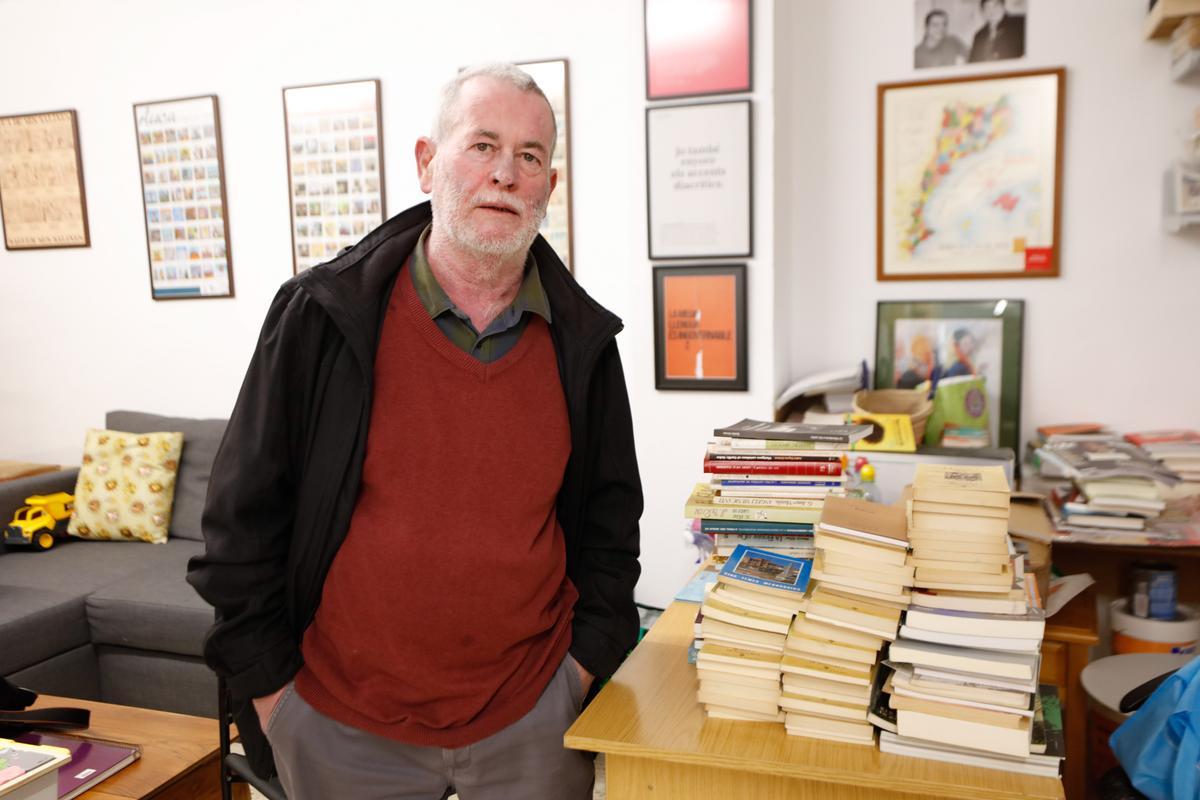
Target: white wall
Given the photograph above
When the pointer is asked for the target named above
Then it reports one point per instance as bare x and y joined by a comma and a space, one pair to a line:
1113, 338
79, 333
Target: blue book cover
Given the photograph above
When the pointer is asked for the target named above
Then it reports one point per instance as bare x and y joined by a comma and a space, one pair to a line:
762, 568
693, 592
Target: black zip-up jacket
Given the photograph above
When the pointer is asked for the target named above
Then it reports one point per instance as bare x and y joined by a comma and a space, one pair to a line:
286, 477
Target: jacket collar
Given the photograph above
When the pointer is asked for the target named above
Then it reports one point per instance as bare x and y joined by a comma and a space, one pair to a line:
354, 287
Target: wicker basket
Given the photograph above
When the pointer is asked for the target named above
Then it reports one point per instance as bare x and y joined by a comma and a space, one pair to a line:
912, 402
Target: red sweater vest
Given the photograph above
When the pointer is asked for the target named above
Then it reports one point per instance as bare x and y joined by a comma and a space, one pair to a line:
448, 609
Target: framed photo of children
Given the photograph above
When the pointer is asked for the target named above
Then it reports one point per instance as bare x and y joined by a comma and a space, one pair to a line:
970, 177
42, 201
700, 327
699, 181
697, 47
552, 78
969, 352
335, 167
183, 198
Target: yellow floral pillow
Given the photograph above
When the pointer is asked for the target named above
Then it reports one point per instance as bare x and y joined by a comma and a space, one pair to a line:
126, 486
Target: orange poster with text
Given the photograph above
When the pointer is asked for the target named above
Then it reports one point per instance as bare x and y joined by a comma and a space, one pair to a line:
701, 320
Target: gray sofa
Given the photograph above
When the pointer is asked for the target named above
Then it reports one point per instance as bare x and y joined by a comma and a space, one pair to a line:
114, 621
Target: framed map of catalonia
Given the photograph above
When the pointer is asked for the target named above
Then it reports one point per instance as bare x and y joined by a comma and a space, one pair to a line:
970, 177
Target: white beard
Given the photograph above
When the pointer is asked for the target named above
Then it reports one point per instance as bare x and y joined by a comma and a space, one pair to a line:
452, 207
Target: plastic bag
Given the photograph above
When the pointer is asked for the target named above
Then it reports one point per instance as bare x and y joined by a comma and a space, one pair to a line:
1159, 746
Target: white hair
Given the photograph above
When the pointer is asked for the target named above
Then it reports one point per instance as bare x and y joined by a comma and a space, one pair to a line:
447, 114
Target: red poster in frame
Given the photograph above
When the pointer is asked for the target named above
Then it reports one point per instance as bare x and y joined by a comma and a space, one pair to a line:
697, 47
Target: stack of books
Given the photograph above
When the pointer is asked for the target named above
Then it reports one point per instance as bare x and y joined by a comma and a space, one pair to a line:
743, 625
966, 659
768, 483
860, 586
1177, 450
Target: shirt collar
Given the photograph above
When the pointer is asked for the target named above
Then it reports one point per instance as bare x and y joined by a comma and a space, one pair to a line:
530, 297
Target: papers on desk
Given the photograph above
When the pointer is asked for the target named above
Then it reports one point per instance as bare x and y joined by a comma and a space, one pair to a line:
1063, 590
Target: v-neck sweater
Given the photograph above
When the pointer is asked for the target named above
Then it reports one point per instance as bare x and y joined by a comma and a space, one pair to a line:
448, 609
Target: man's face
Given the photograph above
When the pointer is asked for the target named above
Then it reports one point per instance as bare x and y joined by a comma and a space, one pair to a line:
993, 10
490, 176
935, 30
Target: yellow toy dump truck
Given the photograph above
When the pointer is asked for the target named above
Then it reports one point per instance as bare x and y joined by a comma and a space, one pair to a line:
38, 522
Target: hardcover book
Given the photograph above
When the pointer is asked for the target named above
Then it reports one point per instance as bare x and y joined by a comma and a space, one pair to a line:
91, 760
794, 431
766, 571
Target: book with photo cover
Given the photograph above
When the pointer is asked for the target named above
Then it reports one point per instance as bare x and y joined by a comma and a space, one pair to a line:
92, 760
794, 431
766, 571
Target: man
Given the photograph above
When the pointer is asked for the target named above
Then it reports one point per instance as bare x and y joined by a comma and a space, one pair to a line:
1001, 36
965, 346
938, 48
421, 525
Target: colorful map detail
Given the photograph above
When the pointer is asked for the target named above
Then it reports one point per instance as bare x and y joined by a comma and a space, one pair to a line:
965, 130
1006, 201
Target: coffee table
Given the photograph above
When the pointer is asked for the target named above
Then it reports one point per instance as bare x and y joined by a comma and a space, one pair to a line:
180, 753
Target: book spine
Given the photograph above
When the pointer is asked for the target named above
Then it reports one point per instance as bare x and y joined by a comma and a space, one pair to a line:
786, 437
708, 511
784, 458
752, 482
771, 468
756, 528
770, 502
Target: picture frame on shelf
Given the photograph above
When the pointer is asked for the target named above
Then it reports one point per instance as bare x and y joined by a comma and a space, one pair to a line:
969, 177
334, 137
697, 48
975, 343
699, 181
43, 204
700, 327
553, 77
184, 207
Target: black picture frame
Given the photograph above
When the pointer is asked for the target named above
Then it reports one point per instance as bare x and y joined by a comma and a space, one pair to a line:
1010, 313
707, 213
666, 374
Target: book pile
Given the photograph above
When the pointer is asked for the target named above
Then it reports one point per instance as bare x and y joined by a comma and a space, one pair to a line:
1115, 485
744, 622
860, 585
966, 659
768, 483
1177, 450
1043, 474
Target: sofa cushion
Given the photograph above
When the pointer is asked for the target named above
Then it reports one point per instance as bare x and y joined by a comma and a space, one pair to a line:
126, 486
201, 438
78, 567
36, 624
155, 609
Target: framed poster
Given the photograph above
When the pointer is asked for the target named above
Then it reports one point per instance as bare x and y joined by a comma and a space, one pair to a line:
700, 327
42, 201
335, 167
965, 341
697, 47
970, 177
698, 177
553, 78
183, 196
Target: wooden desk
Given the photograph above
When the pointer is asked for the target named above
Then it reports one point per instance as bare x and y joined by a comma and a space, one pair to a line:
1065, 651
180, 757
658, 743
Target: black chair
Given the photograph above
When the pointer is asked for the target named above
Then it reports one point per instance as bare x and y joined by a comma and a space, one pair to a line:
234, 766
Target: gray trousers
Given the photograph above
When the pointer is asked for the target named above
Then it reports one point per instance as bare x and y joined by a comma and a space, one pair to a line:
321, 759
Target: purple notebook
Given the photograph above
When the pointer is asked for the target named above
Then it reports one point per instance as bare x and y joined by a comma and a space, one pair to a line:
91, 761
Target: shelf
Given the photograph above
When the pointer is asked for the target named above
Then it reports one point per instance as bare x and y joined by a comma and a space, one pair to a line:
1166, 16
1173, 220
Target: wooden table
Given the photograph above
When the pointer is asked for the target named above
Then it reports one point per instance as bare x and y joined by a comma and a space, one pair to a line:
658, 743
1065, 652
180, 757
